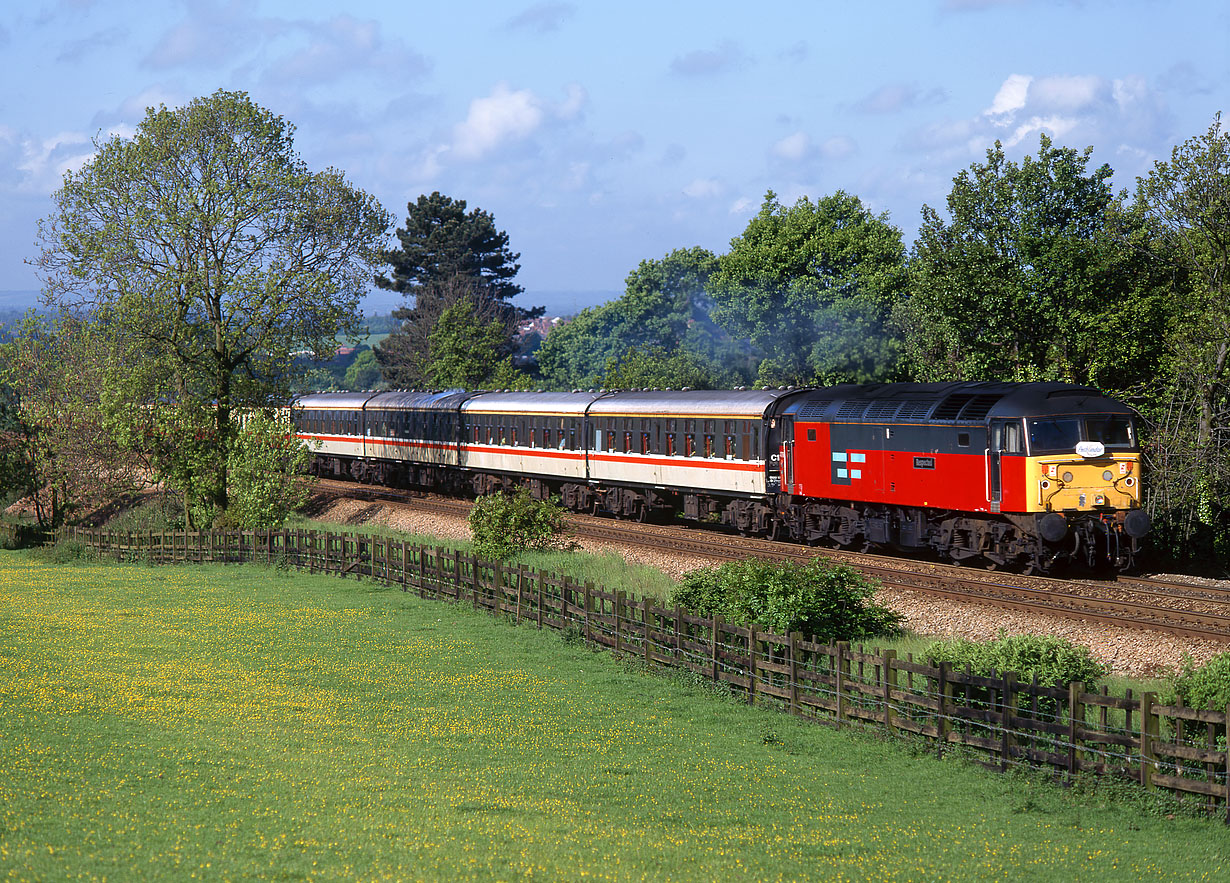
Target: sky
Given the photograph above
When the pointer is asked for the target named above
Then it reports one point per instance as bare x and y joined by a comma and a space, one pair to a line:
602, 134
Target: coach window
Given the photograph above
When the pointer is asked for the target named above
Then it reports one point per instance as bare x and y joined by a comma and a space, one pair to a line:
644, 442
670, 444
709, 450
963, 439
730, 447
610, 439
689, 444
627, 442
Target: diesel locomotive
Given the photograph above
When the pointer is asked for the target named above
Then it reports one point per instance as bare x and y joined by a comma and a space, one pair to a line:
1028, 476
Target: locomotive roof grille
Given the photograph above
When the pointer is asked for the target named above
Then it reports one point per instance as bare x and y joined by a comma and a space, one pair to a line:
815, 408
884, 409
951, 406
980, 406
852, 409
915, 410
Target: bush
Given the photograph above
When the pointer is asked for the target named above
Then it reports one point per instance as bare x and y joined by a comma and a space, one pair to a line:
506, 523
831, 602
1205, 686
1055, 661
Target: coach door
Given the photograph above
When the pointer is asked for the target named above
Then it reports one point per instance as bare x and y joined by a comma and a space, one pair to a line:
787, 437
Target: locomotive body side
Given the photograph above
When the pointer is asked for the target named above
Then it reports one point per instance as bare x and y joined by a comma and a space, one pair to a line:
1045, 471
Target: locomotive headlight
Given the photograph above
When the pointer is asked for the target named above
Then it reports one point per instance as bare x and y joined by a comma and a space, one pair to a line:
1129, 482
1107, 475
1067, 477
1044, 484
1099, 500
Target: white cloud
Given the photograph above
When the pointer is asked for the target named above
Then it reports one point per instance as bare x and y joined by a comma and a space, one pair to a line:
505, 115
1066, 93
1011, 95
744, 205
703, 188
508, 116
837, 147
794, 148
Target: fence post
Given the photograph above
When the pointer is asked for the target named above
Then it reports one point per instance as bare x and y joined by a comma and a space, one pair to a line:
942, 723
619, 603
890, 656
646, 619
538, 596
795, 637
1006, 705
751, 664
840, 681
1226, 723
474, 576
1076, 717
1148, 733
588, 604
520, 591
713, 649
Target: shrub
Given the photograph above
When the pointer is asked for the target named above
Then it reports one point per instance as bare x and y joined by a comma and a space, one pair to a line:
1205, 686
1055, 661
831, 602
506, 523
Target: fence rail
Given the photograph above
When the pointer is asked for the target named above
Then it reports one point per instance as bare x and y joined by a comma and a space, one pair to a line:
1005, 722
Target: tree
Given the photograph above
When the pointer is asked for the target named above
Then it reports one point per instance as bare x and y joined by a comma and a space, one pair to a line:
664, 309
467, 348
1041, 274
812, 286
445, 253
1188, 200
264, 453
206, 240
442, 240
363, 372
59, 447
655, 368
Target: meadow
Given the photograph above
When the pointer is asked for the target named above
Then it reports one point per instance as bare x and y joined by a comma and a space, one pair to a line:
229, 723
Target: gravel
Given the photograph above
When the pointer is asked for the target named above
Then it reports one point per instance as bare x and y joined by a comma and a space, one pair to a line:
1130, 652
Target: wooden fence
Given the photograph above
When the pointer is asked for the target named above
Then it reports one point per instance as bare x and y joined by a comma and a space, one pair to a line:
1003, 722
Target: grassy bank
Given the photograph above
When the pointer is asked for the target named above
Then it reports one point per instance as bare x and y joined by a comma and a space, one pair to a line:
226, 723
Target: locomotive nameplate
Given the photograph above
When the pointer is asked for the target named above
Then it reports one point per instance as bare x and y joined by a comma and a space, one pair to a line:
924, 462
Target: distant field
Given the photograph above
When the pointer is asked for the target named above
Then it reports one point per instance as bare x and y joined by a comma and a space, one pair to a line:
245, 723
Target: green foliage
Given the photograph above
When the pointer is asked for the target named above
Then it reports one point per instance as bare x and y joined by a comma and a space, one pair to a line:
441, 240
1205, 686
509, 522
1040, 274
832, 602
664, 310
1187, 200
658, 369
465, 351
266, 471
813, 286
364, 371
210, 255
1054, 661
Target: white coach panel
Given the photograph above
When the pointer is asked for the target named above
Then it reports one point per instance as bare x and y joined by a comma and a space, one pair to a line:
540, 434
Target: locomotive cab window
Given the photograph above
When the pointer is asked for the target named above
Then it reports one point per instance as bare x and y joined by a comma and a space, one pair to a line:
963, 439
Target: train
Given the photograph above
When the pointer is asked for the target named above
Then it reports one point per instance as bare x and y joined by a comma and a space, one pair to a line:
1026, 476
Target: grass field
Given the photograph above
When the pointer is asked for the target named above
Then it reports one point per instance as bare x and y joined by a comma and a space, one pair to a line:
244, 723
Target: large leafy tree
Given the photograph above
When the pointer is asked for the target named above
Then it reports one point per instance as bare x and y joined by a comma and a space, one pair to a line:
664, 311
812, 286
1040, 273
206, 241
1187, 198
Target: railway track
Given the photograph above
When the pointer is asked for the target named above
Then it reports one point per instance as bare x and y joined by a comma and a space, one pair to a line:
1152, 603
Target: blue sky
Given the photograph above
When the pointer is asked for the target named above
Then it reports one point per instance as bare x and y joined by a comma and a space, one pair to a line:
603, 134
